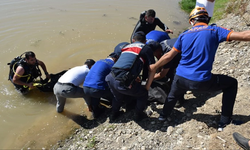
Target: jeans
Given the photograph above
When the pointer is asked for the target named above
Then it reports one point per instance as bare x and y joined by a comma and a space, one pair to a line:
63, 91
96, 94
180, 85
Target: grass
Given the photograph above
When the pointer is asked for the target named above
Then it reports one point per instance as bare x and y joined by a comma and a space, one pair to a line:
221, 7
187, 5
91, 142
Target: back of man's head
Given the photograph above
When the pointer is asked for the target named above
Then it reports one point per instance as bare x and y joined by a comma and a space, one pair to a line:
150, 13
29, 55
155, 45
89, 63
198, 14
140, 37
156, 48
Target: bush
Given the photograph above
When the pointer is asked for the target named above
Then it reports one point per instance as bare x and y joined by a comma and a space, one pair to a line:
187, 5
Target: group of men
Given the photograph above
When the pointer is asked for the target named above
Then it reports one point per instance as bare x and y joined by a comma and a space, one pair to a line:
128, 72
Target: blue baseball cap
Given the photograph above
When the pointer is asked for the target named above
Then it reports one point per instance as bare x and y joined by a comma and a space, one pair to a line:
119, 47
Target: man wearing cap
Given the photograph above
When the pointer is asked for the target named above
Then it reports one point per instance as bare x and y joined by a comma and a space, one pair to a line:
95, 85
68, 85
124, 78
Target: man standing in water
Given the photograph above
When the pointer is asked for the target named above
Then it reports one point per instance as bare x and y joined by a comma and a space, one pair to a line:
148, 22
68, 85
194, 70
26, 71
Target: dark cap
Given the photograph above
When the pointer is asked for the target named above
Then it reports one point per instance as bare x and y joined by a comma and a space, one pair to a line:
119, 47
139, 36
89, 62
114, 55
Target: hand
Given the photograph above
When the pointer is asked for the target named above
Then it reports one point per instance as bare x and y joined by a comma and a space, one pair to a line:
138, 79
31, 85
169, 31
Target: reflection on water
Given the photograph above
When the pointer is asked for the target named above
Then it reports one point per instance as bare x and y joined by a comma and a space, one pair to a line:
63, 34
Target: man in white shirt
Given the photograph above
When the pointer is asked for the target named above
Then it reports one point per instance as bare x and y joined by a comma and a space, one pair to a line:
68, 85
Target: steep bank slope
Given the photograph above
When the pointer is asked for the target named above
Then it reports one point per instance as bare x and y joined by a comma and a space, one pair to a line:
192, 126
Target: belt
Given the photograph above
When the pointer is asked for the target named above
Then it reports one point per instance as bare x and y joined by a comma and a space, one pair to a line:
70, 84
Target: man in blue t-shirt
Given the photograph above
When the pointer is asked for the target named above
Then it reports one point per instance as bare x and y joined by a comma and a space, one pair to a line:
95, 85
198, 46
157, 36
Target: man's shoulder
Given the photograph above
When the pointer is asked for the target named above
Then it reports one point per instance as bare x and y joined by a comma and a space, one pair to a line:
142, 14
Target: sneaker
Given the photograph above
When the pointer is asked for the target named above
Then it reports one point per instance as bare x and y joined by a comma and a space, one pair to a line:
241, 141
162, 117
140, 116
222, 125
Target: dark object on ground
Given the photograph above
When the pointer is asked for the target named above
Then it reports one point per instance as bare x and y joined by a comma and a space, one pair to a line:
48, 85
241, 141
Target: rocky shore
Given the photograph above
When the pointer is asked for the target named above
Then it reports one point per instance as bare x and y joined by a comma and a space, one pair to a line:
192, 126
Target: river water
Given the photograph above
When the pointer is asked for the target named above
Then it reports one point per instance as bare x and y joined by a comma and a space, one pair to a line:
63, 34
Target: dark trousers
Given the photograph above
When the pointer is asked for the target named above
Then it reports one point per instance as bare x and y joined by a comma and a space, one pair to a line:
180, 85
96, 94
124, 94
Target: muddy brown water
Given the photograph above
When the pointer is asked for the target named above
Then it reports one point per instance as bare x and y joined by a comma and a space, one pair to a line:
63, 34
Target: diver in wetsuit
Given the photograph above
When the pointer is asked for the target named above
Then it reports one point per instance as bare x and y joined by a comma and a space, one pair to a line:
24, 71
148, 22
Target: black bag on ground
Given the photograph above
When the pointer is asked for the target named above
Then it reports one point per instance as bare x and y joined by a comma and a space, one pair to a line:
47, 86
158, 92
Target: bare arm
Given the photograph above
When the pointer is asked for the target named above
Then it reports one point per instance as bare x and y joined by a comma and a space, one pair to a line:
240, 36
150, 76
161, 74
44, 68
169, 31
18, 74
165, 59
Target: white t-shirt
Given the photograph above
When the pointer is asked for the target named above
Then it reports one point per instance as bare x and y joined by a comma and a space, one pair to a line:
75, 75
207, 4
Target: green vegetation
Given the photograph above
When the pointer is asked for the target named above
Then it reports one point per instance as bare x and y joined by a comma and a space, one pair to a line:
91, 143
187, 5
221, 7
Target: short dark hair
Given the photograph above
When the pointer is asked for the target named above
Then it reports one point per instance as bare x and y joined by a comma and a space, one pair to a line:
29, 54
139, 36
150, 13
155, 45
89, 62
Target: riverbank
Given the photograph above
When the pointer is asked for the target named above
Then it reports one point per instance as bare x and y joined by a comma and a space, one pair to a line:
192, 126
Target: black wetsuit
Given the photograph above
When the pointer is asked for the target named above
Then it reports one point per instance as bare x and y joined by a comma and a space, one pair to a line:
143, 25
30, 73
